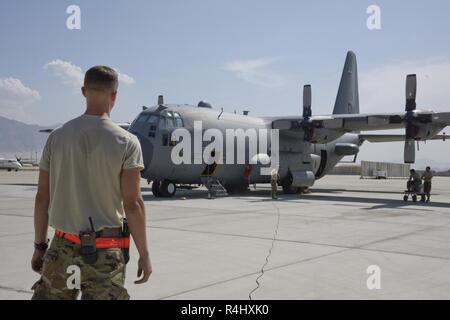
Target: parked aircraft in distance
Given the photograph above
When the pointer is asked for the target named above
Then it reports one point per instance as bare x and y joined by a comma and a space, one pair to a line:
10, 164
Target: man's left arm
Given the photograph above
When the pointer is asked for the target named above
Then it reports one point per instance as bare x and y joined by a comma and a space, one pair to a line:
41, 205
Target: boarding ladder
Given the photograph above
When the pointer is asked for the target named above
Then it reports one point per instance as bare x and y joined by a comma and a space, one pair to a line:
215, 188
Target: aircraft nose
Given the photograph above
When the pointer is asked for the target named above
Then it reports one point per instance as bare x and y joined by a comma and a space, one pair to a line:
147, 150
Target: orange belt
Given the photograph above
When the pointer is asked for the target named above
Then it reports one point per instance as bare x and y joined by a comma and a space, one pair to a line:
101, 243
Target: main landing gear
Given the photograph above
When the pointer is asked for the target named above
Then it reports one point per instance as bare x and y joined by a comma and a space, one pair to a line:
288, 188
236, 188
164, 189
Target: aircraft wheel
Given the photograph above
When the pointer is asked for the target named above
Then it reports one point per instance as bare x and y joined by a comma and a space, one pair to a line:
156, 185
405, 198
9, 169
236, 188
289, 189
168, 188
422, 198
414, 198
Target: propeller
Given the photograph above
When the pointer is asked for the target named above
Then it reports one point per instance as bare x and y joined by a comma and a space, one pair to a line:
306, 125
307, 111
410, 128
19, 160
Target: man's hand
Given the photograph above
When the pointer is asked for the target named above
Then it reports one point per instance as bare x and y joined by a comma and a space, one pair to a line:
41, 218
144, 270
37, 260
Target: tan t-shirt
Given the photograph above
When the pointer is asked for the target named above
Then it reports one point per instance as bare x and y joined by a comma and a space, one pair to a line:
427, 176
84, 158
274, 175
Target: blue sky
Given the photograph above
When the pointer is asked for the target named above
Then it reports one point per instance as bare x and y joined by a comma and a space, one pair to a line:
239, 55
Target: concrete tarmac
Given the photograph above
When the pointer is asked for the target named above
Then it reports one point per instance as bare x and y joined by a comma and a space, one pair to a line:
324, 244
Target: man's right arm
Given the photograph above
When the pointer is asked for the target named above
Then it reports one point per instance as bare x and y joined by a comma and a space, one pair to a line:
135, 213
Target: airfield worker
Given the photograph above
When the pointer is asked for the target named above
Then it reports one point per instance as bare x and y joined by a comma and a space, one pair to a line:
274, 177
427, 176
414, 181
89, 178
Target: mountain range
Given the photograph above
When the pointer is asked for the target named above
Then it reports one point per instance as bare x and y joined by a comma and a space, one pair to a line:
25, 140
18, 138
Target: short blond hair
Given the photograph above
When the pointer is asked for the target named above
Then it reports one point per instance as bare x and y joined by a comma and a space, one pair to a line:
101, 78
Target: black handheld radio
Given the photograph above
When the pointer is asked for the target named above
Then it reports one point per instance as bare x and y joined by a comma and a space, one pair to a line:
88, 245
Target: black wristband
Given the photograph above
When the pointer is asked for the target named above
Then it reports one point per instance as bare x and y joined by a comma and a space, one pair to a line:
41, 246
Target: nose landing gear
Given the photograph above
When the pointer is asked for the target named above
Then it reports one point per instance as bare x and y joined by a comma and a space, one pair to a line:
164, 189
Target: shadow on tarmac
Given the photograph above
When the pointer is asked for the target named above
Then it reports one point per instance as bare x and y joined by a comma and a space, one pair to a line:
315, 195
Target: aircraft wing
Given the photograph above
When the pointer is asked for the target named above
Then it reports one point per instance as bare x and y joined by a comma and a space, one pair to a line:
418, 124
396, 137
323, 129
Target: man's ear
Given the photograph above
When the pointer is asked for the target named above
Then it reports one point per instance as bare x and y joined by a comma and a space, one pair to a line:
83, 91
114, 95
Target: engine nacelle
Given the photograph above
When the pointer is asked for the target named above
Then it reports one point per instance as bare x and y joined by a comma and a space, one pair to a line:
346, 149
303, 178
426, 131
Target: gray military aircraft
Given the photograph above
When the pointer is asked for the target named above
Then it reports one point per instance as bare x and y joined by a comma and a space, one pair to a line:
309, 146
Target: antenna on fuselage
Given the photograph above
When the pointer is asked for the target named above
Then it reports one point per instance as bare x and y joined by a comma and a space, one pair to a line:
221, 111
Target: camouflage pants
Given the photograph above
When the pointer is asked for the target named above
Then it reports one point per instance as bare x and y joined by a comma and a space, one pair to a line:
103, 280
274, 186
427, 188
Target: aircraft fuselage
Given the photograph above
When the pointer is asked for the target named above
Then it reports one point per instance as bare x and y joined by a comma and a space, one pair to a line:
155, 126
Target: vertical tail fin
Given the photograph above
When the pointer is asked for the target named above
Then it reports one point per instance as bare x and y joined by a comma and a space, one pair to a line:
347, 100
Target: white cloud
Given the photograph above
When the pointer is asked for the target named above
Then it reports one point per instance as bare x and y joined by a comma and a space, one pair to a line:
383, 89
71, 75
252, 71
15, 97
125, 79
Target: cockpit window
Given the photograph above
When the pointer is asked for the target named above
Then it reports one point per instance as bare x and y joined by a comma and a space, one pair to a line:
166, 121
170, 122
178, 120
142, 118
162, 123
153, 119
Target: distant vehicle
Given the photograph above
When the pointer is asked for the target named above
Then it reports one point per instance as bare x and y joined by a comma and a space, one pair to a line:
10, 164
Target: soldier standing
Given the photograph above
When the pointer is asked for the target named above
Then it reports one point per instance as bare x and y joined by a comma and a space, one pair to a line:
274, 177
427, 176
414, 181
89, 178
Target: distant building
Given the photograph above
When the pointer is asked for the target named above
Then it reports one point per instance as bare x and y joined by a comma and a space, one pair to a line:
372, 169
384, 169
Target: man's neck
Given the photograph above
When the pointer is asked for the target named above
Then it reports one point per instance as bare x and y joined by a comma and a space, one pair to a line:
97, 112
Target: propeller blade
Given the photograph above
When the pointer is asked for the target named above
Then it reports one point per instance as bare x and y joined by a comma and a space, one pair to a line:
409, 151
306, 154
307, 112
411, 90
